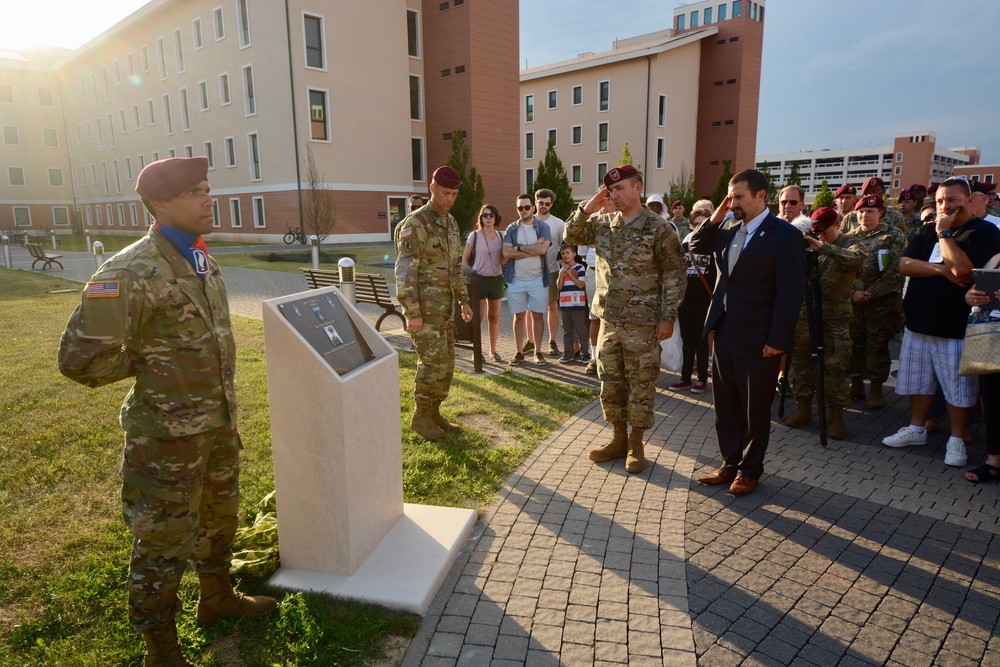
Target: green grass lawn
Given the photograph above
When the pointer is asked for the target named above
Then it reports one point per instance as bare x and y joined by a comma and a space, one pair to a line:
64, 548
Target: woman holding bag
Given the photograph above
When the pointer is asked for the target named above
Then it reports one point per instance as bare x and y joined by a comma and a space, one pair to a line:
989, 392
484, 255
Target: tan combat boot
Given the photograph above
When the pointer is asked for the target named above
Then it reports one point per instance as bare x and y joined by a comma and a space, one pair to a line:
219, 600
875, 398
440, 421
423, 423
857, 390
635, 462
617, 448
835, 424
803, 412
162, 648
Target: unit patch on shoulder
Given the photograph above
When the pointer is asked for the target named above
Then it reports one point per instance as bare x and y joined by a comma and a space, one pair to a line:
104, 289
406, 247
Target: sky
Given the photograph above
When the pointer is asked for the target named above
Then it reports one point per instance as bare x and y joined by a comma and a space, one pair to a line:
835, 74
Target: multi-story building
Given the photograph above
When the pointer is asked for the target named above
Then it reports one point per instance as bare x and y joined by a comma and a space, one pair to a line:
987, 173
684, 99
258, 87
911, 158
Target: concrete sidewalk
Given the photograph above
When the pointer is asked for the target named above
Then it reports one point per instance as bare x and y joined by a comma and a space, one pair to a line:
854, 555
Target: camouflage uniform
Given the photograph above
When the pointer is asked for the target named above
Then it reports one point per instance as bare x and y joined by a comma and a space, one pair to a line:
877, 321
428, 282
146, 314
641, 278
837, 266
891, 217
910, 227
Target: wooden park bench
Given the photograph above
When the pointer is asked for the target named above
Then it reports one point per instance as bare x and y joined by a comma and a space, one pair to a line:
368, 288
38, 252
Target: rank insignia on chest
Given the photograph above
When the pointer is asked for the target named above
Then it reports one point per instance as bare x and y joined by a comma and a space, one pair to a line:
106, 289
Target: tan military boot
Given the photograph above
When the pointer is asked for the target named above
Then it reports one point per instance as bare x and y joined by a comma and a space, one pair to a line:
835, 424
617, 448
803, 412
423, 423
440, 421
162, 648
875, 398
635, 462
219, 600
857, 390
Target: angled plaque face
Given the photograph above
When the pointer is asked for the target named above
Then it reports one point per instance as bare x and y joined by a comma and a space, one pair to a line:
323, 321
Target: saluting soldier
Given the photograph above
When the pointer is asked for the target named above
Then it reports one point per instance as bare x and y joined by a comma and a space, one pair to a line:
641, 280
157, 312
428, 282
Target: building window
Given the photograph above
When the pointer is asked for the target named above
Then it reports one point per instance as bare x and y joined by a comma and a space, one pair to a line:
312, 27
50, 138
445, 73
216, 221
45, 97
118, 176
529, 145
143, 60
128, 168
6, 93
529, 108
185, 111
196, 36
179, 50
224, 97
577, 133
660, 150
220, 24
737, 9
895, 183
150, 117
681, 19
99, 216
417, 157
168, 125
253, 146
141, 160
203, 95
11, 135
529, 179
234, 212
249, 96
15, 175
988, 178
694, 19
60, 216
553, 138
122, 121
722, 12
460, 69
899, 157
133, 215
604, 95
414, 97
106, 86
243, 22
56, 177
22, 216
111, 131
577, 95
230, 152
661, 112
708, 15
188, 150
602, 169
161, 61
897, 171
553, 96
210, 154
258, 213
317, 115
121, 215
413, 33
576, 172
602, 138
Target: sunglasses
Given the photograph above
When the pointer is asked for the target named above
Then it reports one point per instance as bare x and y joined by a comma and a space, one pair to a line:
524, 208
487, 214
790, 202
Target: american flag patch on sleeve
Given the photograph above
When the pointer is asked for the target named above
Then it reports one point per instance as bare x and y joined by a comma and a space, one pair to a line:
105, 289
406, 232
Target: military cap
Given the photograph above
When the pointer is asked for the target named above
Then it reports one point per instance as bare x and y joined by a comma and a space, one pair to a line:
165, 179
917, 189
619, 174
872, 182
845, 190
823, 218
869, 201
983, 188
906, 195
932, 188
677, 203
447, 177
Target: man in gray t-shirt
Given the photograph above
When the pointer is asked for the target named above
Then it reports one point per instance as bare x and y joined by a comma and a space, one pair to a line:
543, 204
526, 242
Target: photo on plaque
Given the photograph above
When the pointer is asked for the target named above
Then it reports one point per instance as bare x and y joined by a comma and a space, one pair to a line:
325, 324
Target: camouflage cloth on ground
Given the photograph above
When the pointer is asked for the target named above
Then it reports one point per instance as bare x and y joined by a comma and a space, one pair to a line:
255, 548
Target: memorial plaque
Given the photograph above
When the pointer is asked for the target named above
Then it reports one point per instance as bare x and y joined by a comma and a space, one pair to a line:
323, 321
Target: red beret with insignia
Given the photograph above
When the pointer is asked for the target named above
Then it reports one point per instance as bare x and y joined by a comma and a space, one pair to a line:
869, 201
619, 174
447, 177
932, 188
845, 190
677, 203
906, 195
984, 188
823, 218
872, 182
918, 189
165, 179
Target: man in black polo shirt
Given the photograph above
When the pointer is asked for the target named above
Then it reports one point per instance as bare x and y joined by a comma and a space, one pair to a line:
939, 262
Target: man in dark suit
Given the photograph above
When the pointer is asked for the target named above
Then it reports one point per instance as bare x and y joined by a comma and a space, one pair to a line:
761, 264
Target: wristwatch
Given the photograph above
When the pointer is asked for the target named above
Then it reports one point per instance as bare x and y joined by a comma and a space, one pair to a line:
518, 247
946, 234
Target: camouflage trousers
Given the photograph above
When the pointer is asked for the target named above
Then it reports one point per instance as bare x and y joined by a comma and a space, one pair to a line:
628, 363
435, 344
836, 357
180, 499
872, 327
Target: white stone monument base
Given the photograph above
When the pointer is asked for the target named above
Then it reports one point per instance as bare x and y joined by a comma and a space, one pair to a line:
405, 569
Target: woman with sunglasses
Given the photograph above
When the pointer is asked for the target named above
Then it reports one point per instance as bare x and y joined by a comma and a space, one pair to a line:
484, 255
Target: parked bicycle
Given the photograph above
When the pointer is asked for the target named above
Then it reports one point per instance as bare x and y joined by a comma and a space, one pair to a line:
294, 236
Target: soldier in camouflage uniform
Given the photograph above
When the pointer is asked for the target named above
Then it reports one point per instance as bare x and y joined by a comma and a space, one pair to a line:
157, 311
909, 209
838, 259
891, 217
641, 280
428, 282
878, 301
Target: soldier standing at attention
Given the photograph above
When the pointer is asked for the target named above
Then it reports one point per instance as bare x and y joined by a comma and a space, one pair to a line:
428, 281
839, 258
157, 311
641, 280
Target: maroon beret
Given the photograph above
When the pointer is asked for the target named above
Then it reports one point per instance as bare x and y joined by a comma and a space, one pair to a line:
845, 190
823, 218
165, 179
917, 188
619, 174
872, 182
677, 203
932, 188
869, 201
984, 188
447, 177
906, 195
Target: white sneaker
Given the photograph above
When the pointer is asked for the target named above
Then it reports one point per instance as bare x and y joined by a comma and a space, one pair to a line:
905, 437
955, 454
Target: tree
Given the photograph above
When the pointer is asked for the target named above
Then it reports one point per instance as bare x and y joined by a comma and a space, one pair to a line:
626, 158
722, 188
794, 176
552, 176
824, 197
318, 209
471, 191
683, 188
772, 186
